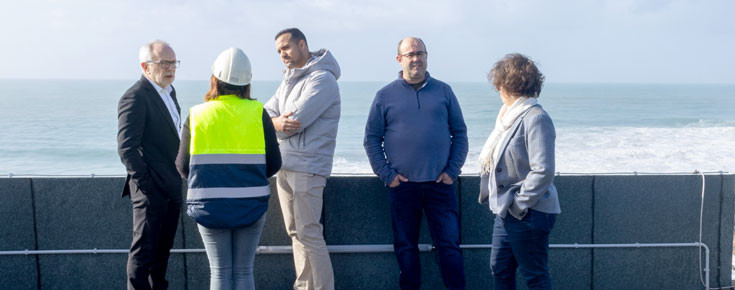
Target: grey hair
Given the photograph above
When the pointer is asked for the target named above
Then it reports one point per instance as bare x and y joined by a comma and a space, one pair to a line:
146, 51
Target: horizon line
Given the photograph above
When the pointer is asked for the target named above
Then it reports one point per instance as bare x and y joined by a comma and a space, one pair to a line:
374, 81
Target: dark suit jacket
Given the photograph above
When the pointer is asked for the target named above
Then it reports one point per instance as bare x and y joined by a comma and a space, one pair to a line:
147, 141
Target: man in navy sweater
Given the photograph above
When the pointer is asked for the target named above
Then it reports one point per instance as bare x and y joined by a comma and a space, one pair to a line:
416, 140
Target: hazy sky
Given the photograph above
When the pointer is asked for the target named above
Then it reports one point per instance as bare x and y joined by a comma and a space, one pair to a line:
572, 41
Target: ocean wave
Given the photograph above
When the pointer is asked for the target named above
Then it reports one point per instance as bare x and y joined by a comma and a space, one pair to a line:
620, 149
705, 123
610, 149
645, 123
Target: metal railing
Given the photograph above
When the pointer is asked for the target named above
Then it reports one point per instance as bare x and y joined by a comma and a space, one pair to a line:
385, 248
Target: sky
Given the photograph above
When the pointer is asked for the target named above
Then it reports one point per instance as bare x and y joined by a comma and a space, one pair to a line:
594, 41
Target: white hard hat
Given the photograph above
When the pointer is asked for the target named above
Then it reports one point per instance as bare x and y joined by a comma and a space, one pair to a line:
232, 66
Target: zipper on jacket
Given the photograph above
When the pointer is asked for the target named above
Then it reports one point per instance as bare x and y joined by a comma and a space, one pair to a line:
418, 100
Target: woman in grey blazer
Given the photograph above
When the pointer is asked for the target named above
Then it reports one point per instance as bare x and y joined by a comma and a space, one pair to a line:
517, 165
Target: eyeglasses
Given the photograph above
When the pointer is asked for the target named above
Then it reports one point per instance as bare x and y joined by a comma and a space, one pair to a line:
166, 64
410, 55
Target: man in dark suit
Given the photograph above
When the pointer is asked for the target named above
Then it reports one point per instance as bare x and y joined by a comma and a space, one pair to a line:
149, 123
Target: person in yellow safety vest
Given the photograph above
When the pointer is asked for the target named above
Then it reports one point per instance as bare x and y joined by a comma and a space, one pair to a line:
227, 153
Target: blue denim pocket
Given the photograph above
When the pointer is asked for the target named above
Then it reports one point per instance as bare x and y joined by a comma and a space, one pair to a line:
534, 221
541, 221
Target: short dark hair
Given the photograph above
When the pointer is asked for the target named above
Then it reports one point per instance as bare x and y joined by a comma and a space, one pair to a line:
518, 75
219, 88
296, 35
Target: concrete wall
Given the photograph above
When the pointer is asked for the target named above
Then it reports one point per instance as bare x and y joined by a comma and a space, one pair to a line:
86, 213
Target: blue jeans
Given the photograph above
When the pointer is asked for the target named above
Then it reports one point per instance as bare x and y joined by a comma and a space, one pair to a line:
439, 202
231, 253
525, 244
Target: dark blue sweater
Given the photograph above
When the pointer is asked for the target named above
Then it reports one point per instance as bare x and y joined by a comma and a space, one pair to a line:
418, 134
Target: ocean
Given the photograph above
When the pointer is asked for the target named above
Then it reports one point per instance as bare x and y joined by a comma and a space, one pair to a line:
68, 127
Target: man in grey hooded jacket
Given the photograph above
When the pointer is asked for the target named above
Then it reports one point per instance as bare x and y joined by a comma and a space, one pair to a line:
305, 111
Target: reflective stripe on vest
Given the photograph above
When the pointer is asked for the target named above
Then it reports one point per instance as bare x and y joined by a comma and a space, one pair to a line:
227, 150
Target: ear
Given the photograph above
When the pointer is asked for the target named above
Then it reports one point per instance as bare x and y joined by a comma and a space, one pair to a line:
398, 58
302, 45
144, 66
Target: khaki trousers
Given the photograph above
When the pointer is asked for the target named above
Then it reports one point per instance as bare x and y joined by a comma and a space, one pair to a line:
300, 195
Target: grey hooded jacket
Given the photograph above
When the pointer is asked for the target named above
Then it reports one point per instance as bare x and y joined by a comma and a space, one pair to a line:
312, 94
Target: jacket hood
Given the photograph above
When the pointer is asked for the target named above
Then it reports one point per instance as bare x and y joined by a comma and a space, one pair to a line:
320, 60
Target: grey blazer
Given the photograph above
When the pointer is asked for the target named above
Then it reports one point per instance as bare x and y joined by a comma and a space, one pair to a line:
524, 175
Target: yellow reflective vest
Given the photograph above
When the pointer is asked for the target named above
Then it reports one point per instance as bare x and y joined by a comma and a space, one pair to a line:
228, 186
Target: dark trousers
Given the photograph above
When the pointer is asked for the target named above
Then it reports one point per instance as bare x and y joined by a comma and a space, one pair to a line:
439, 202
155, 219
522, 244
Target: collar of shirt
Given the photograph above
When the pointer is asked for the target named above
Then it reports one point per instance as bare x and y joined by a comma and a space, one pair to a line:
424, 82
161, 91
165, 94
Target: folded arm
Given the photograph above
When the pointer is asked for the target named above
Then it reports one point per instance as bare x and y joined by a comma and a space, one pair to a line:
319, 93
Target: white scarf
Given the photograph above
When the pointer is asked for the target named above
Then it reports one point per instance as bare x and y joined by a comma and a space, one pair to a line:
506, 117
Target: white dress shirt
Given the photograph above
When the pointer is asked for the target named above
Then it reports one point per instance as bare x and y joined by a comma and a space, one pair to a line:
165, 94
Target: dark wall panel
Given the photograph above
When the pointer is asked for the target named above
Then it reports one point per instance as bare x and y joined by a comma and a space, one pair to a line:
477, 229
274, 231
273, 271
573, 225
86, 213
652, 209
727, 219
17, 233
357, 211
650, 268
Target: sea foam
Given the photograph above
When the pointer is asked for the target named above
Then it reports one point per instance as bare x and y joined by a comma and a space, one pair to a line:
619, 149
